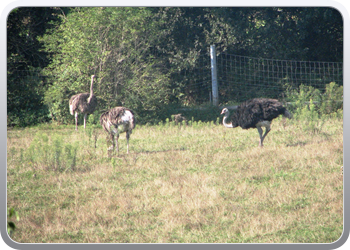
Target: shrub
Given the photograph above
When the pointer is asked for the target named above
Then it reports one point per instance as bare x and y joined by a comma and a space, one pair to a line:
324, 104
310, 107
332, 99
53, 154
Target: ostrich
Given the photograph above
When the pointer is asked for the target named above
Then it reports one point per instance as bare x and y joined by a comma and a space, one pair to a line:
178, 118
84, 103
255, 113
118, 120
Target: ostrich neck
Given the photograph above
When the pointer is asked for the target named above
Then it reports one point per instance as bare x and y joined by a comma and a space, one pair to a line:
91, 87
224, 121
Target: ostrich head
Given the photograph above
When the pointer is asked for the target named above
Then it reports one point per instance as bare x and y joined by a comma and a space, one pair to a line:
93, 76
224, 121
225, 111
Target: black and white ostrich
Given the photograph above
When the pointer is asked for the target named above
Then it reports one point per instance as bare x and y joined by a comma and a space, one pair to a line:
116, 121
255, 113
84, 103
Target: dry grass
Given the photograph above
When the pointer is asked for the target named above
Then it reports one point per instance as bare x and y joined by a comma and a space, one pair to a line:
202, 183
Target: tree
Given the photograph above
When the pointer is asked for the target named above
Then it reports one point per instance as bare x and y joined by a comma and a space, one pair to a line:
25, 59
115, 45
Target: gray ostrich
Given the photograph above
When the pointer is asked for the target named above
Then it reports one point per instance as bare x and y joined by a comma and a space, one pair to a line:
116, 121
84, 103
255, 113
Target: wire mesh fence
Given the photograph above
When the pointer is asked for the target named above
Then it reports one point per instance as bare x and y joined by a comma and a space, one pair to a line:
239, 77
242, 77
195, 81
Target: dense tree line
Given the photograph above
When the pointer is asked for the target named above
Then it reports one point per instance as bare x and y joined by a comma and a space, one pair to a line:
138, 53
25, 60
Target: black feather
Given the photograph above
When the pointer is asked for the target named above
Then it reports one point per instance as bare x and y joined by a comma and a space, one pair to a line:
249, 113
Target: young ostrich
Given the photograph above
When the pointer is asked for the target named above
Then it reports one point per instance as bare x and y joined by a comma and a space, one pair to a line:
118, 120
255, 113
84, 103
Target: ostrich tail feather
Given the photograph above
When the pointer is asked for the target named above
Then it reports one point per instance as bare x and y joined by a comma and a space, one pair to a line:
71, 109
287, 114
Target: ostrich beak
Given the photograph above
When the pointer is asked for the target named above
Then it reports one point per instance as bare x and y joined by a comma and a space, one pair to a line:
222, 112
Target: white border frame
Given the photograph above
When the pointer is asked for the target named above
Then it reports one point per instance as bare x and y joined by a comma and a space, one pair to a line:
6, 7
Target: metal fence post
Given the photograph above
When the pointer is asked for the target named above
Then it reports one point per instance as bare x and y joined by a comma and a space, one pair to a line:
214, 80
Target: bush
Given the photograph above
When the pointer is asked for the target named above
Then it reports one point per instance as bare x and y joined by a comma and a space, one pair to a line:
332, 99
310, 107
306, 98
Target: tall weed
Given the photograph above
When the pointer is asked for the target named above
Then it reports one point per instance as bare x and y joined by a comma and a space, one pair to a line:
332, 99
311, 107
310, 118
93, 132
52, 155
326, 103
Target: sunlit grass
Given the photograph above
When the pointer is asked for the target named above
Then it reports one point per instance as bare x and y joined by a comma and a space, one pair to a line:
198, 183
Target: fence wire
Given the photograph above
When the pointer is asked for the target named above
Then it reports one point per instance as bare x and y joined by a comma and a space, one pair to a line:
195, 81
239, 77
242, 77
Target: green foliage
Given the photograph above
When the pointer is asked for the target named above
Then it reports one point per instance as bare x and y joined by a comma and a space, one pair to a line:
114, 44
25, 60
94, 118
332, 99
311, 107
147, 58
310, 118
11, 226
25, 99
327, 103
51, 154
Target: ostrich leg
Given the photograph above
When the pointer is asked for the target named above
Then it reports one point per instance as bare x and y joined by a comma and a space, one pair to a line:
127, 141
76, 121
262, 137
267, 130
85, 115
110, 139
117, 145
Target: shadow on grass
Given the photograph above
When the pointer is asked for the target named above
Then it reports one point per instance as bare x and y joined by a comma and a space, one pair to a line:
122, 155
161, 151
299, 143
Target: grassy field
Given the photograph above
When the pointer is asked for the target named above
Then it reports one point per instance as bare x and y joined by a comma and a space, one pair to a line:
191, 184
